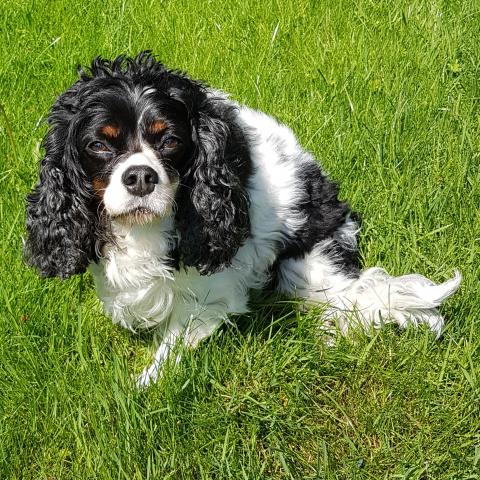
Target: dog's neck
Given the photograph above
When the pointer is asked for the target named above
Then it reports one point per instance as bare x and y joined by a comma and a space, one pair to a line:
138, 253
144, 236
134, 276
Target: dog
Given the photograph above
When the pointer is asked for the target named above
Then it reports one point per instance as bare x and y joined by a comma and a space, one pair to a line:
180, 201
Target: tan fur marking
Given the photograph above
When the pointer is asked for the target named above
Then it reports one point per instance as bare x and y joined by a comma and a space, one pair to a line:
111, 131
157, 126
99, 187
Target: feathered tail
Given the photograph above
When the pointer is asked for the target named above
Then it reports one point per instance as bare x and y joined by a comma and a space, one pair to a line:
371, 298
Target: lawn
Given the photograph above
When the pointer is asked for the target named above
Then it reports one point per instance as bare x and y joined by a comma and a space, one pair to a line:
387, 96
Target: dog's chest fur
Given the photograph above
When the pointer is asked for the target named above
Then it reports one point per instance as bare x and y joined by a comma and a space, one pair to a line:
134, 278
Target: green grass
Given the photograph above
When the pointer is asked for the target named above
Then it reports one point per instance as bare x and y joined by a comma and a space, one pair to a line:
386, 95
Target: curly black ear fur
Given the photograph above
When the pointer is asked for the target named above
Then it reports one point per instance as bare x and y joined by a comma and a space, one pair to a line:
60, 223
212, 215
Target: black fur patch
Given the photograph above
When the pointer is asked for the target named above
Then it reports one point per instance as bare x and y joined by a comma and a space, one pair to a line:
325, 215
212, 216
61, 223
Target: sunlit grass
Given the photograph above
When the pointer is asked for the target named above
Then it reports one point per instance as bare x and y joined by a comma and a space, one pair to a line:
386, 95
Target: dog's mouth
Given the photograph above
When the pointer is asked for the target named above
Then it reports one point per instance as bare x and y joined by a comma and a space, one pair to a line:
137, 216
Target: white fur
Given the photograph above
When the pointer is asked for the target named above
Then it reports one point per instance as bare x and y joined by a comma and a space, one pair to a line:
118, 200
140, 290
372, 300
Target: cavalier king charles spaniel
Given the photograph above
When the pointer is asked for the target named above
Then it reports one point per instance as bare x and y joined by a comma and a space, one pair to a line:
179, 201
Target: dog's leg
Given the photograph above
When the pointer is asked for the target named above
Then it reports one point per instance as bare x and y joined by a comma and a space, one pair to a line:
189, 325
151, 373
370, 298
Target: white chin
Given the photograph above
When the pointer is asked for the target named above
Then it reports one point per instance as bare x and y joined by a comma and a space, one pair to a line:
138, 216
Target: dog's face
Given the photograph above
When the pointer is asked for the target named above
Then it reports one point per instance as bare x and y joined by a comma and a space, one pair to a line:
134, 148
130, 142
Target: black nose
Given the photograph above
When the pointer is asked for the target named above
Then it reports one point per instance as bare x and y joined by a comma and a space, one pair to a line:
140, 180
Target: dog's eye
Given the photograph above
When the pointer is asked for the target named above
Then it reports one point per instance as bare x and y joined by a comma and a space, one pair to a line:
171, 142
98, 147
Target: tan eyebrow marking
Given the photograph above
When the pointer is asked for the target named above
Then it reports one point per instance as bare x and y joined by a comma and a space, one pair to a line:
111, 131
157, 126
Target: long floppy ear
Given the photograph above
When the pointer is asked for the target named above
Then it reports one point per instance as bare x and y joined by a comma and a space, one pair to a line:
212, 215
60, 222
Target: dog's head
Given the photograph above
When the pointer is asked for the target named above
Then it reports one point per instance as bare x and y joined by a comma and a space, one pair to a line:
131, 142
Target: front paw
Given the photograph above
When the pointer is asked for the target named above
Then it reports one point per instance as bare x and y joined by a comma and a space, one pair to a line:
148, 376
